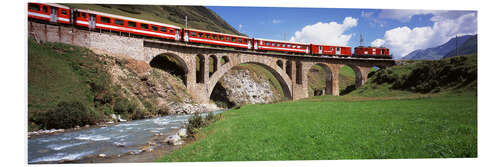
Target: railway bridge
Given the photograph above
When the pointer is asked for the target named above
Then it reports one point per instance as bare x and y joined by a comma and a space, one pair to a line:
290, 70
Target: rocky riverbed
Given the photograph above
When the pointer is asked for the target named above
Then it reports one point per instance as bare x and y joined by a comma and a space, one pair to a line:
131, 141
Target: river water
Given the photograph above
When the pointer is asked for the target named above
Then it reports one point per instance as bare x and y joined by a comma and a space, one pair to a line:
111, 140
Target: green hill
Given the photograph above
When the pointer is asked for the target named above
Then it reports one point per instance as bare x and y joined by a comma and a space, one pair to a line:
199, 17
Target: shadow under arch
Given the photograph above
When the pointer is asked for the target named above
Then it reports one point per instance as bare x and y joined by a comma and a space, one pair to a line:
358, 77
171, 63
285, 86
328, 76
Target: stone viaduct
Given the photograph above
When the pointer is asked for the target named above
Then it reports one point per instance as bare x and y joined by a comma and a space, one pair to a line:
290, 70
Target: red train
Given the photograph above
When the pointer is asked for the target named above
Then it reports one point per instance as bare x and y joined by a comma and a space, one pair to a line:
92, 20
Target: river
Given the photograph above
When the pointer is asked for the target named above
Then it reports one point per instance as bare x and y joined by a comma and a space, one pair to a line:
114, 140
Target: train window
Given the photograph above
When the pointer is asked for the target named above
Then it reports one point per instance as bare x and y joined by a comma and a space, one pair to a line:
105, 20
64, 12
298, 46
293, 46
84, 15
45, 9
193, 34
272, 43
239, 40
245, 41
118, 22
221, 37
289, 45
338, 49
132, 24
228, 38
34, 7
233, 39
207, 36
163, 29
267, 43
144, 26
214, 36
200, 35
171, 31
154, 28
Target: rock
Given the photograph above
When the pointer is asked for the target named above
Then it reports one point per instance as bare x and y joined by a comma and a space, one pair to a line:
102, 155
173, 140
146, 149
87, 126
182, 132
151, 143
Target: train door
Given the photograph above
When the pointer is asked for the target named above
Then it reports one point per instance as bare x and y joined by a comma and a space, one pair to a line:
177, 36
337, 51
53, 14
320, 50
256, 45
249, 44
186, 36
92, 21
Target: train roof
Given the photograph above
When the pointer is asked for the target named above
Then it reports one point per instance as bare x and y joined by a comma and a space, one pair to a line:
212, 32
127, 18
371, 47
52, 4
281, 41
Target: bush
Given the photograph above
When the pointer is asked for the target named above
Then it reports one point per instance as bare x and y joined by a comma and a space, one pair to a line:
66, 115
124, 106
197, 121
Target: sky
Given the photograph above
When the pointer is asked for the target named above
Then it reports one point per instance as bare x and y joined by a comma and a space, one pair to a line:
402, 31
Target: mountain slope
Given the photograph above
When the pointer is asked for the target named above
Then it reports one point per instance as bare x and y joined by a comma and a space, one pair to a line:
468, 47
199, 17
438, 52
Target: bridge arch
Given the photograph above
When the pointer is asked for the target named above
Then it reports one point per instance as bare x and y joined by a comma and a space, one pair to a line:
271, 66
360, 77
328, 76
167, 60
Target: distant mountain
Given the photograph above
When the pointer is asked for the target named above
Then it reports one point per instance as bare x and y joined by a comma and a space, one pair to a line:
468, 47
438, 52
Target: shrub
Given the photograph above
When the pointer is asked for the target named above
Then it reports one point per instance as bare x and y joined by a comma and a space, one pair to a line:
124, 106
66, 115
197, 121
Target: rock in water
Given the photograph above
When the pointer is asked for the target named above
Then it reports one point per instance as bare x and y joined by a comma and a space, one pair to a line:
173, 140
182, 132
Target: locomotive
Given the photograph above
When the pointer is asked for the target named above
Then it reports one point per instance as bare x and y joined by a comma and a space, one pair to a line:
93, 20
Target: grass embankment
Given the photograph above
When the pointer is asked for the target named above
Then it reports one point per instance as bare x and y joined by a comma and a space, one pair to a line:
380, 120
69, 86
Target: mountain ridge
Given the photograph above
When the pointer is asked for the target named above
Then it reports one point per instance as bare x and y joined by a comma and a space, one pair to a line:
437, 52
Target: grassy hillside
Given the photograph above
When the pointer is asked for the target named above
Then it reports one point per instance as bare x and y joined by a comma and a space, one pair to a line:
452, 75
199, 17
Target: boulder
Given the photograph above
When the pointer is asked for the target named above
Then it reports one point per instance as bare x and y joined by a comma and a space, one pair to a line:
173, 140
182, 132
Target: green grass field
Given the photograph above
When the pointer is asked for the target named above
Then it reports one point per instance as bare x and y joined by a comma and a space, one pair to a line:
435, 127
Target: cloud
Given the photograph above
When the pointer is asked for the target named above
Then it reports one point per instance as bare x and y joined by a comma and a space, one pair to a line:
366, 14
276, 21
378, 43
240, 26
403, 40
326, 33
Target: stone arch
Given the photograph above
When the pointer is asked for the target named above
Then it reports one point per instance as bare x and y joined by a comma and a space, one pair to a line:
200, 68
158, 61
279, 63
278, 73
359, 78
213, 63
329, 77
289, 68
224, 60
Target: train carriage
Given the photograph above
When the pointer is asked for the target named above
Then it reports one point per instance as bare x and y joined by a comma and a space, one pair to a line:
98, 20
342, 51
53, 13
372, 52
280, 46
215, 38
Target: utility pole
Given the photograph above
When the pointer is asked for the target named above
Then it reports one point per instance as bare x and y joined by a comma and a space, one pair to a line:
284, 37
360, 39
186, 19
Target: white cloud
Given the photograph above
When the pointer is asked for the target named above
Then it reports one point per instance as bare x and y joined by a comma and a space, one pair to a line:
378, 43
276, 21
240, 26
326, 33
403, 40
